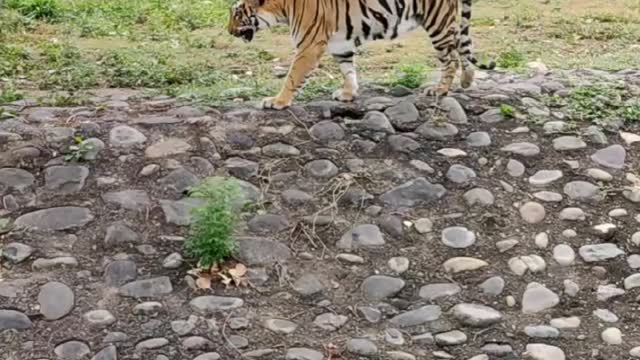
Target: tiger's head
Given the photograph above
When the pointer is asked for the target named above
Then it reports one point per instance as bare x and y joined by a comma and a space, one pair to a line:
249, 16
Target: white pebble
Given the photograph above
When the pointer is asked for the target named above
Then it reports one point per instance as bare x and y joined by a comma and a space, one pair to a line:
542, 240
612, 336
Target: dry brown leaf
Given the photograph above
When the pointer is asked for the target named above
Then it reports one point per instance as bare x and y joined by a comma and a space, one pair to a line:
203, 282
239, 271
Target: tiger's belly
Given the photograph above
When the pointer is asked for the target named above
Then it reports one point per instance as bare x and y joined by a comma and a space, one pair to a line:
387, 28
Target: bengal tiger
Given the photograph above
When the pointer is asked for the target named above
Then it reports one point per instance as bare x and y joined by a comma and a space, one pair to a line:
340, 26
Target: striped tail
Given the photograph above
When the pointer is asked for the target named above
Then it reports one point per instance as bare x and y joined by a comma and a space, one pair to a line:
465, 44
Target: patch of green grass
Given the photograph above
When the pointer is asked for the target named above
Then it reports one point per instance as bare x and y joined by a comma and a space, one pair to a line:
78, 150
511, 59
210, 237
48, 10
9, 94
410, 76
507, 111
602, 104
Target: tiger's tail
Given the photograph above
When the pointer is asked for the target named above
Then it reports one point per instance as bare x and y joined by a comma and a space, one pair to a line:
465, 46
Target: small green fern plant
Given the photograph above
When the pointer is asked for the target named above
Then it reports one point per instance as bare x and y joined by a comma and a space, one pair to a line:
210, 237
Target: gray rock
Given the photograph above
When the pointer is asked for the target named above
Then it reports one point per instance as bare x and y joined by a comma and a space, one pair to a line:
308, 285
327, 131
605, 315
455, 112
572, 214
599, 252
151, 344
413, 193
13, 320
167, 147
147, 288
280, 326
209, 305
497, 350
399, 264
330, 321
362, 347
108, 353
532, 212
180, 212
303, 354
458, 237
568, 143
537, 298
450, 338
493, 286
197, 343
479, 139
379, 287
55, 219
361, 236
135, 200
544, 352
147, 308
632, 281
94, 146
433, 292
611, 157
515, 168
208, 356
595, 135
65, 179
268, 223
460, 174
476, 315
564, 255
120, 272
58, 135
56, 300
394, 337
15, 179
16, 252
548, 196
370, 314
554, 127
403, 144
583, 191
296, 198
321, 169
491, 116
375, 125
179, 181
99, 318
545, 177
417, 317
258, 251
172, 261
242, 168
606, 292
72, 350
120, 234
124, 137
522, 149
392, 225
183, 327
437, 131
280, 150
541, 331
62, 261
404, 116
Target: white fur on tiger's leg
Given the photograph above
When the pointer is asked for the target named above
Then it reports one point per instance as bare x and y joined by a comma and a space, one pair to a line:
350, 87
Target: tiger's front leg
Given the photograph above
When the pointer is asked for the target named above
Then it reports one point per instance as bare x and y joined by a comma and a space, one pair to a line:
304, 62
349, 89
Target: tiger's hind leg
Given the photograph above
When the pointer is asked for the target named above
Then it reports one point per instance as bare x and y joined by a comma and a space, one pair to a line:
447, 54
350, 87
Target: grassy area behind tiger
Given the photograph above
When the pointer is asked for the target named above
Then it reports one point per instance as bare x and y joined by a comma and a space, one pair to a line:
181, 47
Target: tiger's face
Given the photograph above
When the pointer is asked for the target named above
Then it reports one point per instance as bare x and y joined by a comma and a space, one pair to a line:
243, 20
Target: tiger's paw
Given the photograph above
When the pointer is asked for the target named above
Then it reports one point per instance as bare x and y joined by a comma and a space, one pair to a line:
435, 91
466, 79
344, 96
274, 103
